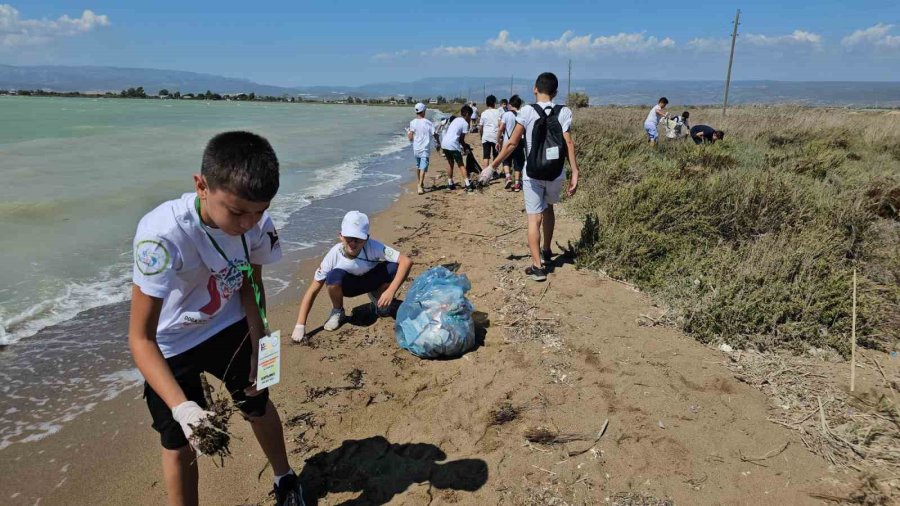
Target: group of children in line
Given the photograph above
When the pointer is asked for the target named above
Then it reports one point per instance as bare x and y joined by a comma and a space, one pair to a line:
677, 126
198, 300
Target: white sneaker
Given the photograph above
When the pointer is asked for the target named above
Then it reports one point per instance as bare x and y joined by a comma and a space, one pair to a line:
378, 311
334, 319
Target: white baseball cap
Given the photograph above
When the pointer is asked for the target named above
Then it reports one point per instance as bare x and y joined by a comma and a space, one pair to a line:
420, 107
355, 224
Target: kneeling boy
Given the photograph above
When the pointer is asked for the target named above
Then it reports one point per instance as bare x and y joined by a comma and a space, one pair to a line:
356, 265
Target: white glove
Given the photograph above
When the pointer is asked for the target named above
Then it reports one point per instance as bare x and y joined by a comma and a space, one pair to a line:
189, 414
299, 334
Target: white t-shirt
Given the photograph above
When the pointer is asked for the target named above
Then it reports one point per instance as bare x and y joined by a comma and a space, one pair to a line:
490, 123
372, 253
474, 112
450, 140
175, 260
423, 130
509, 123
653, 118
527, 116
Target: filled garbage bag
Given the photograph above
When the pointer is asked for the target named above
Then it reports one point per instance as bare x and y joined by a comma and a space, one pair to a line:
435, 320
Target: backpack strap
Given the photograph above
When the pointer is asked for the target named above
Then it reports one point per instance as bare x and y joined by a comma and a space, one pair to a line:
539, 110
556, 109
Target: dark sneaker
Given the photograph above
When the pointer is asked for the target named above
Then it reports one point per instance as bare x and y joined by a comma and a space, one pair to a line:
517, 187
546, 255
451, 186
509, 185
288, 492
536, 273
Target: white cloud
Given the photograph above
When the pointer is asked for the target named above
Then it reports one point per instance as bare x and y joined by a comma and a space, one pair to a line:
568, 43
708, 44
15, 31
877, 35
452, 51
798, 37
391, 55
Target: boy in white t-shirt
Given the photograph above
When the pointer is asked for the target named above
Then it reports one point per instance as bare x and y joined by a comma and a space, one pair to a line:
453, 144
540, 195
356, 265
657, 113
198, 305
516, 161
420, 132
474, 118
489, 127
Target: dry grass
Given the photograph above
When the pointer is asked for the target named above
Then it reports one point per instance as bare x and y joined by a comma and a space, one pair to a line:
545, 436
752, 240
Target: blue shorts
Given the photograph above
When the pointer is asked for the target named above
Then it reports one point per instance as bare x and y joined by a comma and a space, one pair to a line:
353, 285
651, 132
422, 163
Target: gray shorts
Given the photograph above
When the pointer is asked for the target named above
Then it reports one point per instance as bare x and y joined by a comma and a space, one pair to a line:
541, 194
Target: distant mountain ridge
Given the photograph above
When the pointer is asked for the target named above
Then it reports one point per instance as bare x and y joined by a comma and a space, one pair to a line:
601, 91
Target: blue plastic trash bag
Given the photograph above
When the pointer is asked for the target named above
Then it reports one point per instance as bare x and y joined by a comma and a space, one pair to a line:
435, 320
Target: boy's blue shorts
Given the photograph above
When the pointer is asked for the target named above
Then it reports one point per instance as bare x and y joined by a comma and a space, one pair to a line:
422, 163
651, 132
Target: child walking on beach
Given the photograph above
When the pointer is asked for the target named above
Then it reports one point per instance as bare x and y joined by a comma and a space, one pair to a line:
420, 132
490, 124
453, 143
548, 144
656, 113
516, 161
356, 265
198, 305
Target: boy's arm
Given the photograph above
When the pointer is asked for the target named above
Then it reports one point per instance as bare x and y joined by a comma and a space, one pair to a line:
254, 320
142, 324
409, 134
510, 146
308, 298
403, 268
570, 146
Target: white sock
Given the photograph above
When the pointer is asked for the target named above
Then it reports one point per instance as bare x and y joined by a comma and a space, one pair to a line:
450, 181
467, 182
279, 477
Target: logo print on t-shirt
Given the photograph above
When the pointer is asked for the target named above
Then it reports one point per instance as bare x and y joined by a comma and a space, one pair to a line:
151, 257
273, 239
222, 284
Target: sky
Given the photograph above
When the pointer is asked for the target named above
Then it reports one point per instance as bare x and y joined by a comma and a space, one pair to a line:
300, 43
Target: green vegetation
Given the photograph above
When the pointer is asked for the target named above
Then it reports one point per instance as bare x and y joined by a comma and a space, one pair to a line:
577, 100
752, 240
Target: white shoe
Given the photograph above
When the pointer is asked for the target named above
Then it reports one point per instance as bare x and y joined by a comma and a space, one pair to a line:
334, 319
379, 311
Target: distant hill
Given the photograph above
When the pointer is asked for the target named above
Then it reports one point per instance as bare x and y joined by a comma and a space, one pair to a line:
601, 91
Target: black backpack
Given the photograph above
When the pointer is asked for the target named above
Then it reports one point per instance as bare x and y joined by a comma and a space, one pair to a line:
549, 151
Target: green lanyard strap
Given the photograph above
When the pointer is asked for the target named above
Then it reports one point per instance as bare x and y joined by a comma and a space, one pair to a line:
247, 268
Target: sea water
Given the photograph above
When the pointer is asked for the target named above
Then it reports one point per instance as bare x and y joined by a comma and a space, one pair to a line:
78, 173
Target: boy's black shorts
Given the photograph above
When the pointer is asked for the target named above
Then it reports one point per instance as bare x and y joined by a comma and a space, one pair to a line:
517, 159
489, 150
213, 356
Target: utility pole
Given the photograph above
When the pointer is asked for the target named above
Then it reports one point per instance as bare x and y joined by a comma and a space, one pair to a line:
569, 90
734, 34
511, 85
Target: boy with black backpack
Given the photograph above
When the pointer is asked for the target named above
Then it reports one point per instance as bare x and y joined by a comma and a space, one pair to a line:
548, 144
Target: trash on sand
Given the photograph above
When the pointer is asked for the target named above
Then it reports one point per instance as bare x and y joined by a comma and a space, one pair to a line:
435, 320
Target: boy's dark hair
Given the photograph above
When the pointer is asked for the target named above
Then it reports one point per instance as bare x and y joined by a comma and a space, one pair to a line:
685, 115
504, 101
663, 100
491, 101
720, 134
465, 110
547, 83
515, 101
241, 163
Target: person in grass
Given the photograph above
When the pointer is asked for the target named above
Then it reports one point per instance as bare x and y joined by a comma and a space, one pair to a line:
656, 113
515, 162
453, 144
705, 133
356, 265
197, 305
420, 132
547, 125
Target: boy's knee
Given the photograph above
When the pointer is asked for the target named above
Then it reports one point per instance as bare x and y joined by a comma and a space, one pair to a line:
335, 277
392, 268
256, 406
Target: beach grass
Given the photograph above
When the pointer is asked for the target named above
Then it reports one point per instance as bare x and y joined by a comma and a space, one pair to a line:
751, 241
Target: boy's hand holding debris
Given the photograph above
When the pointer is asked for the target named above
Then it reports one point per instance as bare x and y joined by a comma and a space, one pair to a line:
190, 415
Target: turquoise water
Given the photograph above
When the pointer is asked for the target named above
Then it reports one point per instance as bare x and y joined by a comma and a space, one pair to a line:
77, 174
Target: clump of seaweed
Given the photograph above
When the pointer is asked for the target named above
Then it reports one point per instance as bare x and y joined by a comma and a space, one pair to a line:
212, 435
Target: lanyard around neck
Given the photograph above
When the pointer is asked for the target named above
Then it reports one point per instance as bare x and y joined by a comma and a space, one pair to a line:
245, 268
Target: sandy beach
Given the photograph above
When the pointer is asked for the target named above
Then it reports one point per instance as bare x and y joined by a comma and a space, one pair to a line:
368, 423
